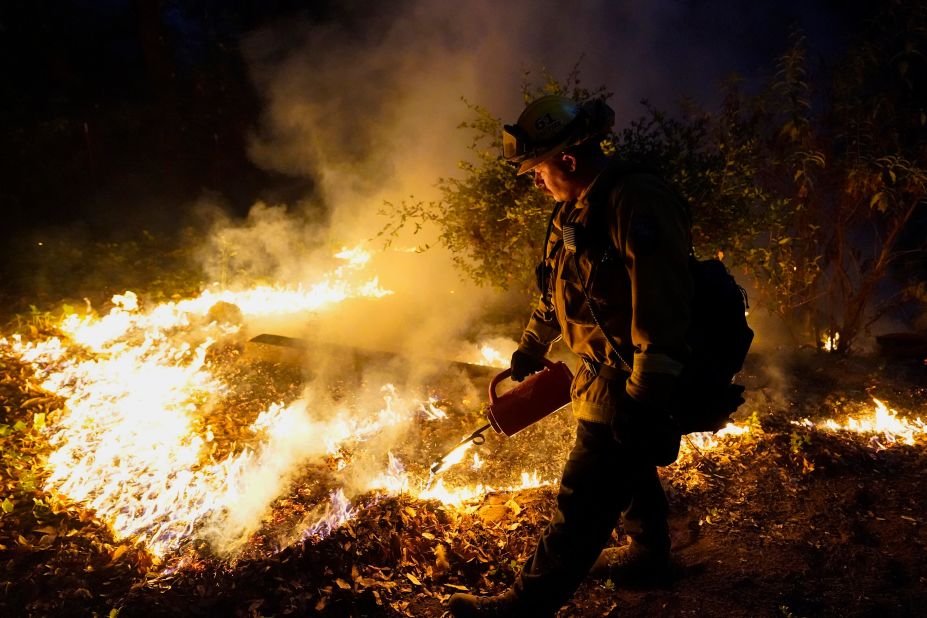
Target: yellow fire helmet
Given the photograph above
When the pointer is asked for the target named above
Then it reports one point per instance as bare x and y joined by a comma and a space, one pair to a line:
550, 125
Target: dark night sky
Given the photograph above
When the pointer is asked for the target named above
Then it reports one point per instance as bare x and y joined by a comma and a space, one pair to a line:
120, 114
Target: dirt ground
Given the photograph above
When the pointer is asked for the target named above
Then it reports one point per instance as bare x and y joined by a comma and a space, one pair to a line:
787, 520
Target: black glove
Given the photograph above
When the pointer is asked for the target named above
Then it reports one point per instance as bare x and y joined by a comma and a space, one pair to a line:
647, 430
524, 364
709, 408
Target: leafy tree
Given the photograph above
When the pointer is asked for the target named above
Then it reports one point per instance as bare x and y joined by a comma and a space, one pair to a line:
844, 163
877, 127
772, 134
493, 221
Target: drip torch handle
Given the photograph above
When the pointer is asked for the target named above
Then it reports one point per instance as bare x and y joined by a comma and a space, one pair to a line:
503, 375
477, 436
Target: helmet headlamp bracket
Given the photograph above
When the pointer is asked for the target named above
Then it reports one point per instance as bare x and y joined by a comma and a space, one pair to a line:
514, 141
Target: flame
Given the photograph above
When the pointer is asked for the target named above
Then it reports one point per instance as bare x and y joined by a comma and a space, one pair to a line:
457, 496
131, 443
126, 316
709, 441
355, 256
454, 457
830, 342
431, 411
338, 511
454, 497
492, 357
494, 352
394, 480
883, 425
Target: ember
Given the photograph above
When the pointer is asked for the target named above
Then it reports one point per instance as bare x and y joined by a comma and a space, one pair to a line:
829, 342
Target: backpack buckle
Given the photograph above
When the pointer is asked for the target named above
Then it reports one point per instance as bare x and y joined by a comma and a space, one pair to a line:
591, 366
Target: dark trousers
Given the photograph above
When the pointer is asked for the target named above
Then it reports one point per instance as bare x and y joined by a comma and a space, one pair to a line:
602, 480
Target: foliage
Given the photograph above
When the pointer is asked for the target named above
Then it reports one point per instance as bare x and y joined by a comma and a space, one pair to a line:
493, 221
813, 185
772, 137
708, 161
842, 154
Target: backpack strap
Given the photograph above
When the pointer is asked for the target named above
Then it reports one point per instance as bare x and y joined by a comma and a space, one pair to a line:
608, 251
541, 271
600, 324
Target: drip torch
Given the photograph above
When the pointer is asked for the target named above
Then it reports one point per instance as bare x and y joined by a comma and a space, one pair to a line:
538, 396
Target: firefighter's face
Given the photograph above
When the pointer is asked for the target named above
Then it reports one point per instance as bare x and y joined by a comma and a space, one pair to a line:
557, 178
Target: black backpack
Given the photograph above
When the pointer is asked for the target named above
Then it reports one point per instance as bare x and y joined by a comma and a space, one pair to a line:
719, 338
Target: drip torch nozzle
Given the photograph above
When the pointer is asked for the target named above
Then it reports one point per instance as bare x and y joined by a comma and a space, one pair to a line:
476, 437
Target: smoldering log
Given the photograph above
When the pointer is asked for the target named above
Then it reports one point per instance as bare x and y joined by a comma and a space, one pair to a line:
272, 348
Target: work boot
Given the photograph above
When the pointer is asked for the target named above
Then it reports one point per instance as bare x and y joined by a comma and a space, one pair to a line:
631, 563
506, 605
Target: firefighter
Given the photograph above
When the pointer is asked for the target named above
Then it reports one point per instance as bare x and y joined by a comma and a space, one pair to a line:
616, 288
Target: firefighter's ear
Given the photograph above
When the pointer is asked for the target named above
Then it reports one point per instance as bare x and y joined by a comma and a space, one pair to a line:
569, 162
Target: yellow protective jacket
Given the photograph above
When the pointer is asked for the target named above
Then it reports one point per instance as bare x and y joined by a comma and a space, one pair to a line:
632, 256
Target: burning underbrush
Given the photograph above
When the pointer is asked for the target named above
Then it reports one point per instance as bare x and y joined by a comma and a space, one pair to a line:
152, 465
158, 425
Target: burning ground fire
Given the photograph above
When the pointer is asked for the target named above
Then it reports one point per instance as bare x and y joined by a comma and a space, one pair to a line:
883, 427
136, 442
130, 443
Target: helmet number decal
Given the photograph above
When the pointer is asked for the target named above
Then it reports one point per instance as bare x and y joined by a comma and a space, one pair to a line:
546, 124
